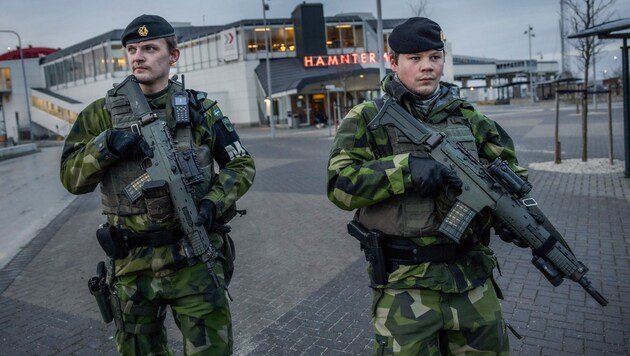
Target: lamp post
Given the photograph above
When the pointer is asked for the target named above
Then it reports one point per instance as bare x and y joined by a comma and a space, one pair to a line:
529, 34
28, 105
267, 33
381, 45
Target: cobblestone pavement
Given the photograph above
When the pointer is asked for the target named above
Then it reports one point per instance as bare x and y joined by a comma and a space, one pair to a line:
300, 286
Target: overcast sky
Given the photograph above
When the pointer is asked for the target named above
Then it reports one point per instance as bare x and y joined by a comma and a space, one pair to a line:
481, 28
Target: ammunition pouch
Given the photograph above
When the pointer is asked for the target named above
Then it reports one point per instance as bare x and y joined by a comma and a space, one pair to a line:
117, 242
100, 290
386, 253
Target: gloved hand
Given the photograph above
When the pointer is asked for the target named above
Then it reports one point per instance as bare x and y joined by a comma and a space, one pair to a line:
430, 176
506, 235
128, 144
206, 214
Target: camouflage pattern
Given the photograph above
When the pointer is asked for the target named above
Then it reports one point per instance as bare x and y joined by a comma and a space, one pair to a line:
426, 322
363, 171
200, 310
157, 275
360, 174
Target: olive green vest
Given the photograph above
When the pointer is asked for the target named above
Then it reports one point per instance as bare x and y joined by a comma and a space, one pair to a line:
125, 172
409, 214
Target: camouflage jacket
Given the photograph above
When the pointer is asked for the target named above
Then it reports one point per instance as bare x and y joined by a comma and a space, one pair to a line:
83, 166
359, 175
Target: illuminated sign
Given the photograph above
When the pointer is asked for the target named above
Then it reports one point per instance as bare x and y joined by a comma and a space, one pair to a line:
342, 59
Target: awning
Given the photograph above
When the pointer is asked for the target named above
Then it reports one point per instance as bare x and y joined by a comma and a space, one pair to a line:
289, 76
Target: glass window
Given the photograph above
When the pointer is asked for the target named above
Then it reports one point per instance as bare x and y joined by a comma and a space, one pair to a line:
346, 36
77, 66
332, 37
277, 40
59, 73
100, 59
261, 33
290, 39
250, 39
205, 52
358, 36
119, 58
186, 60
5, 83
68, 70
88, 64
197, 54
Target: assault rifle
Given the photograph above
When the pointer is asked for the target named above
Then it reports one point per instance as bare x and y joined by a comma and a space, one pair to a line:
497, 188
178, 168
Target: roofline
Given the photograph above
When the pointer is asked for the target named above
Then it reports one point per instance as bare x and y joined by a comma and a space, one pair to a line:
605, 30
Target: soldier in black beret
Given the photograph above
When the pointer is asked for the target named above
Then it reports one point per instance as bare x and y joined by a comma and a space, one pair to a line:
430, 296
148, 253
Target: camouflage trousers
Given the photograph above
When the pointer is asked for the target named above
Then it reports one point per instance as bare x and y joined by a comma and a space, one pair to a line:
201, 311
427, 322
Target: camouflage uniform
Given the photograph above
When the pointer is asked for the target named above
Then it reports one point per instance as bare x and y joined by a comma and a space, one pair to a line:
150, 278
429, 307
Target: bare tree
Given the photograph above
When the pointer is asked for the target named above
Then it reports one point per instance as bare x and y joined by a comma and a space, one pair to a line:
584, 14
419, 8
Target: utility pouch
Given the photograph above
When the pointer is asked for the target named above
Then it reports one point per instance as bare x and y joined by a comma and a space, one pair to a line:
158, 200
111, 242
374, 248
100, 290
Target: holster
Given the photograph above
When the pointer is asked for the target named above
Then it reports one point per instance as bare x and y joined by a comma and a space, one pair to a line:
100, 290
111, 241
374, 249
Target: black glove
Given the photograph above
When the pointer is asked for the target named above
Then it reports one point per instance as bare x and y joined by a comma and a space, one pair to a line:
206, 214
429, 176
128, 144
506, 235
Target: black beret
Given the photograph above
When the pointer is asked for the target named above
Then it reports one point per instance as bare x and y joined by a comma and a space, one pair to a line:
146, 27
417, 34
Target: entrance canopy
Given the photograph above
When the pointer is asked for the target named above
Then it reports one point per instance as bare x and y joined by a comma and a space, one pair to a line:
610, 30
289, 76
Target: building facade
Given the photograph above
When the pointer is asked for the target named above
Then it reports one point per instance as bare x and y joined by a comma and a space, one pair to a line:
317, 65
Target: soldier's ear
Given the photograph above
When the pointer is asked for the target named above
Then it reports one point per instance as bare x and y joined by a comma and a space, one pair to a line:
174, 56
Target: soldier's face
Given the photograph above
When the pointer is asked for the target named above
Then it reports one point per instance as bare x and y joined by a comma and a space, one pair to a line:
419, 72
150, 63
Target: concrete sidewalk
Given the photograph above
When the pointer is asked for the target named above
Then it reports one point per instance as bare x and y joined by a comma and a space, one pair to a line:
300, 286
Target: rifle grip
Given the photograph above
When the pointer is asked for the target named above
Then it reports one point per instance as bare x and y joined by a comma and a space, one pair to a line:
456, 221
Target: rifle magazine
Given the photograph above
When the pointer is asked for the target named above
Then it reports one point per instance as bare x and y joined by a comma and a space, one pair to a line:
456, 221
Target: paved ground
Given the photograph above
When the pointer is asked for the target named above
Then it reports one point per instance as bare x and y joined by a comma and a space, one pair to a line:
300, 286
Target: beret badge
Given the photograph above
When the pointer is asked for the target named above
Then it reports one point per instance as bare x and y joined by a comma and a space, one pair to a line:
143, 31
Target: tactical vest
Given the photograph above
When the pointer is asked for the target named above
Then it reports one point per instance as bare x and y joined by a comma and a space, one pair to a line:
409, 214
125, 172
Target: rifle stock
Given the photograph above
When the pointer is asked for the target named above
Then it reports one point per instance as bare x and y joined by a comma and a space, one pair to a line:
496, 188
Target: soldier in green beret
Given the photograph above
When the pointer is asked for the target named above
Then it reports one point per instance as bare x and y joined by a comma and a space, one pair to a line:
432, 297
148, 269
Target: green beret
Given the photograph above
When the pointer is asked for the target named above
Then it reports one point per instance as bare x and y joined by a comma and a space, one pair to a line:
146, 27
417, 34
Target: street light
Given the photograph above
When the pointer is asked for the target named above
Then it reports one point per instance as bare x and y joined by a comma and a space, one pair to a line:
529, 34
28, 105
267, 33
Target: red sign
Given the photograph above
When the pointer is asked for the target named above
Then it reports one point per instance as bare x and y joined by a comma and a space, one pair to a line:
342, 59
